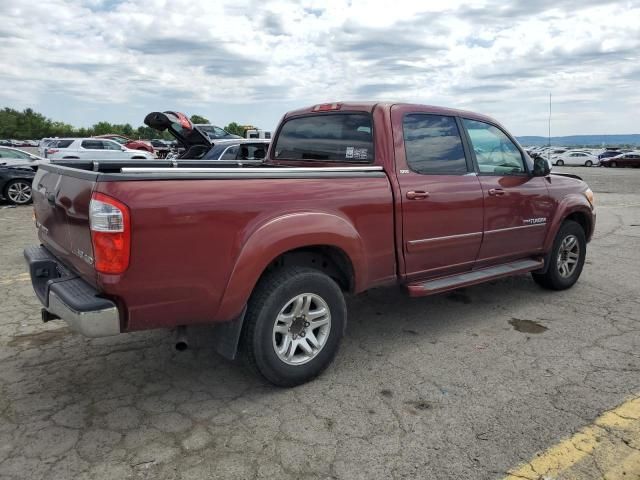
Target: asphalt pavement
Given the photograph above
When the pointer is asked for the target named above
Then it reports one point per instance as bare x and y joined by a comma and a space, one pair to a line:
473, 384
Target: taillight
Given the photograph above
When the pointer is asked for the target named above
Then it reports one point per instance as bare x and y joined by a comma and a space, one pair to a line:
51, 150
110, 233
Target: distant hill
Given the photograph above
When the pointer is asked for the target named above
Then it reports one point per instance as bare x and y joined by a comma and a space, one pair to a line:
582, 140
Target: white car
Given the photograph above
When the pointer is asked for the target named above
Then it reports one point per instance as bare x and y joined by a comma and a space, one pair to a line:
93, 149
576, 159
13, 156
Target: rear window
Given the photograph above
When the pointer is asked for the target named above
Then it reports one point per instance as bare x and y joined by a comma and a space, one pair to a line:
336, 137
63, 143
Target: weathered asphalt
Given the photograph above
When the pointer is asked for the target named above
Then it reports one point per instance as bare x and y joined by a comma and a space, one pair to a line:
466, 385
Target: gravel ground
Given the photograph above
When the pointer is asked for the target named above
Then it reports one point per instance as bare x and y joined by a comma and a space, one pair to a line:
464, 385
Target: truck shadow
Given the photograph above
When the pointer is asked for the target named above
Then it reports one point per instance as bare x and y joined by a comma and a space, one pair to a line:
381, 322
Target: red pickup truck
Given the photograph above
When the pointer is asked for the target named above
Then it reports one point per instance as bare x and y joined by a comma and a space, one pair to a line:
351, 196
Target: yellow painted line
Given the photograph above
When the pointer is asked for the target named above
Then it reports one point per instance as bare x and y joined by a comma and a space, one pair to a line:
22, 277
607, 449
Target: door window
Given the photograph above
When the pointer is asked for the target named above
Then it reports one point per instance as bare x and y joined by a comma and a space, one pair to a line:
92, 144
110, 145
494, 151
433, 145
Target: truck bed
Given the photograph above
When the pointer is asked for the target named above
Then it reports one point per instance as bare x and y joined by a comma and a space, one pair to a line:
195, 230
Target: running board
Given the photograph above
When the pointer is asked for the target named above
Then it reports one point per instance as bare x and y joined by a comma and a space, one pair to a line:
473, 277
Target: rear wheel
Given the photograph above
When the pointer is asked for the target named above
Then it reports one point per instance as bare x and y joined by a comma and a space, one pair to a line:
560, 163
18, 192
566, 259
588, 163
295, 321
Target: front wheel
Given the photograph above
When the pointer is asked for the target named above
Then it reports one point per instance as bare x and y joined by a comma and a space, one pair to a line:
588, 163
295, 321
613, 164
18, 192
566, 259
560, 163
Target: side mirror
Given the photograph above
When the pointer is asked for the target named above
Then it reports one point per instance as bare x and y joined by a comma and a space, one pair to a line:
540, 167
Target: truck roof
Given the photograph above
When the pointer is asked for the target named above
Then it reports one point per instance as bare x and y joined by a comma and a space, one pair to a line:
370, 106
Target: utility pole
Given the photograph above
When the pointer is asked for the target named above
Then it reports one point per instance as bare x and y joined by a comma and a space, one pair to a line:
549, 149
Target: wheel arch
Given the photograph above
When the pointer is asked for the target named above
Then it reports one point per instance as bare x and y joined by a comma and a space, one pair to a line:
576, 208
320, 240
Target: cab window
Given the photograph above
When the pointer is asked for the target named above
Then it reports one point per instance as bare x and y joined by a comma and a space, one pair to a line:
495, 153
433, 145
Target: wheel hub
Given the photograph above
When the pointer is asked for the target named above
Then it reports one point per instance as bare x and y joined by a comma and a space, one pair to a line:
568, 256
301, 329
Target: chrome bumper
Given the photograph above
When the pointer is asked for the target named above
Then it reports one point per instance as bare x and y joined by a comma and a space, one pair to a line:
66, 296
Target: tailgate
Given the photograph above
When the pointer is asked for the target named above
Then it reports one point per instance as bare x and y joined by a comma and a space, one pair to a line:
61, 199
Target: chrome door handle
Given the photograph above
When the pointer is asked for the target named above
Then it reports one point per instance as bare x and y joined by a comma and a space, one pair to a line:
417, 195
496, 192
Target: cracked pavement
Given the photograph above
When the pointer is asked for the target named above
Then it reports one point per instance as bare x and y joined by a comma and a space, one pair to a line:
460, 386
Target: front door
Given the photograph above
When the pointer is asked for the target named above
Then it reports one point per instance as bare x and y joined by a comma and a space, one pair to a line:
441, 197
517, 206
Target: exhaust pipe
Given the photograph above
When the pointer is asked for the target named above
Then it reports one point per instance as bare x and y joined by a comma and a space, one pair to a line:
182, 343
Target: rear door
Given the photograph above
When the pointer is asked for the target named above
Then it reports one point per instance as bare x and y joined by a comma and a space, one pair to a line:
517, 206
441, 197
93, 149
61, 207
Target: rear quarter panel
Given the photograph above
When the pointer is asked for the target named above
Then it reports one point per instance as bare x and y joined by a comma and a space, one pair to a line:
189, 235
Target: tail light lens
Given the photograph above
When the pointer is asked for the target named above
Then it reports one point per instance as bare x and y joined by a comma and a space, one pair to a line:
109, 221
51, 150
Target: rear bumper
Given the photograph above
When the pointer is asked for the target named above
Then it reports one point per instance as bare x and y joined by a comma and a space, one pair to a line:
66, 296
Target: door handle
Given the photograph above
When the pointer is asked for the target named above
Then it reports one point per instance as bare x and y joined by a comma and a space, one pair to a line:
417, 195
496, 192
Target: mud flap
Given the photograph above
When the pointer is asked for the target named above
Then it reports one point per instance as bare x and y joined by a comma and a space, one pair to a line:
227, 336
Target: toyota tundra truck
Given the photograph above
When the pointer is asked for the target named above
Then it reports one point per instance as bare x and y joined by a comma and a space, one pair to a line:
351, 196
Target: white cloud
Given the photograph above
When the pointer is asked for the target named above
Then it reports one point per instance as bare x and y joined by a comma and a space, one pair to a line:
83, 61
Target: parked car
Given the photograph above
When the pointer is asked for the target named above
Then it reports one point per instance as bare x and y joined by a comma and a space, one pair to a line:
577, 158
44, 144
609, 154
94, 149
215, 133
13, 156
161, 147
129, 143
238, 149
15, 184
351, 196
631, 159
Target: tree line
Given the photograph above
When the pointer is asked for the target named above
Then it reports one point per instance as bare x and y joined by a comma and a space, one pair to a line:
30, 125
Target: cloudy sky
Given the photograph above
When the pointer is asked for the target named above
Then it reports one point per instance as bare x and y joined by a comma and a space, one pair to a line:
81, 61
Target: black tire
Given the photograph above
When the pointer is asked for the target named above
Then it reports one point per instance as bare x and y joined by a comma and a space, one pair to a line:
70, 158
613, 164
138, 158
272, 294
588, 163
553, 279
18, 192
560, 163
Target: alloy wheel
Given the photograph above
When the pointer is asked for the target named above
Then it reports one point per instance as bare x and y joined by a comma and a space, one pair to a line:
568, 256
19, 192
301, 329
